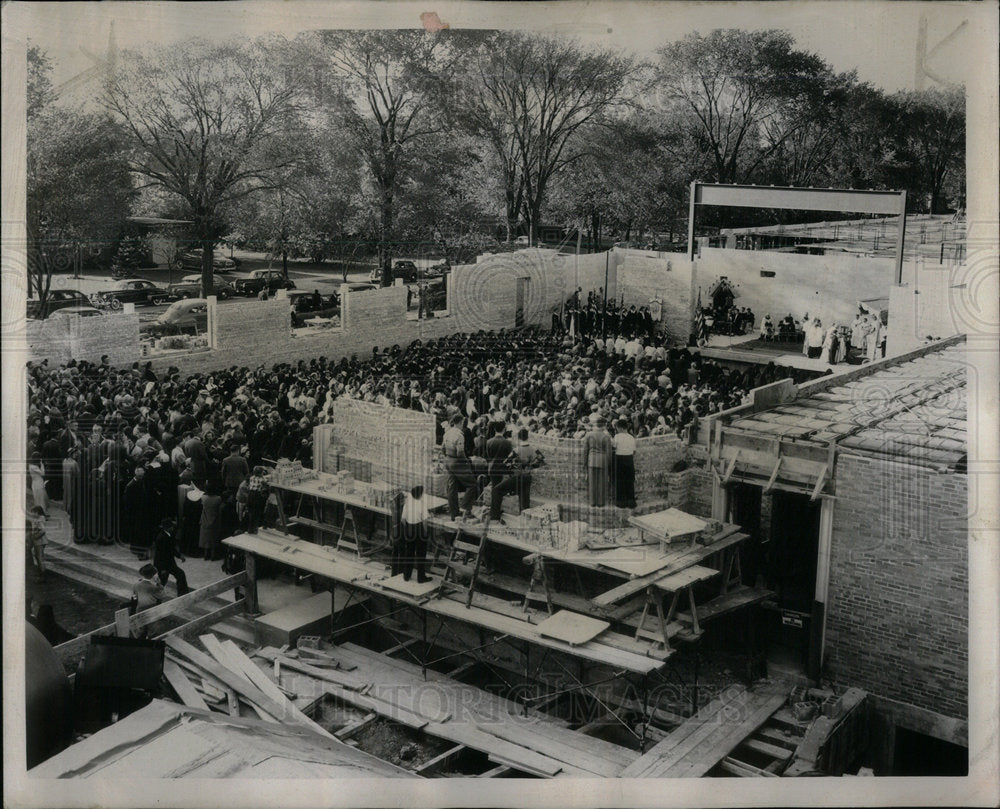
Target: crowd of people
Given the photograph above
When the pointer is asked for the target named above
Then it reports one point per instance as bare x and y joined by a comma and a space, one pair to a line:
133, 455
863, 340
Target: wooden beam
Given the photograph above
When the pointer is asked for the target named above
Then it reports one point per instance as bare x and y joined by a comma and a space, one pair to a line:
175, 605
122, 623
184, 688
439, 761
774, 474
820, 482
205, 621
730, 468
496, 772
236, 682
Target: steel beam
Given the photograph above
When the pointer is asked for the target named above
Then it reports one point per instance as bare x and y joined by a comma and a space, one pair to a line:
805, 199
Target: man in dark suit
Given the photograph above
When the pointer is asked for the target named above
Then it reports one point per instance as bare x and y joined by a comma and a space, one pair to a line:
597, 454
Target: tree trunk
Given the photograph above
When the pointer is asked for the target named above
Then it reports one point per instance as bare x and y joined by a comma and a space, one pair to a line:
207, 275
385, 248
284, 263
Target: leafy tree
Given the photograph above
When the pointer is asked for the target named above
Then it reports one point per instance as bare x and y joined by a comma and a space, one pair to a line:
209, 123
78, 186
388, 107
931, 131
529, 96
742, 96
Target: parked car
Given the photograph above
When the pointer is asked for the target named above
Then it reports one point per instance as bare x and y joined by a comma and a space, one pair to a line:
404, 269
78, 311
58, 299
191, 260
187, 315
137, 290
190, 287
304, 305
272, 280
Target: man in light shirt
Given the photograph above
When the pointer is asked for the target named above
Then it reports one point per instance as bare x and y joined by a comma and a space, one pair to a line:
624, 444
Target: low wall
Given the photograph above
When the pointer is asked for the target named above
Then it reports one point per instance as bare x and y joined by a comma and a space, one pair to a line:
60, 339
564, 476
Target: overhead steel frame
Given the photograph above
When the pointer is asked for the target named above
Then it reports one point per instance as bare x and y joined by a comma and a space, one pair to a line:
847, 200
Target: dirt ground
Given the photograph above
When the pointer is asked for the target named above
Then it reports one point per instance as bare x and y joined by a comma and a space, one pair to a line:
398, 744
78, 608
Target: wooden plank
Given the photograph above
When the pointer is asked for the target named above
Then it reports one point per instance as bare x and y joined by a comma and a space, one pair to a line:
223, 658
440, 760
704, 718
690, 556
497, 772
526, 738
685, 578
715, 746
184, 688
335, 676
175, 605
760, 746
261, 680
231, 680
741, 596
205, 621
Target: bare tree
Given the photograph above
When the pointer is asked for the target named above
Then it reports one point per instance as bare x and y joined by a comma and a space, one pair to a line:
205, 122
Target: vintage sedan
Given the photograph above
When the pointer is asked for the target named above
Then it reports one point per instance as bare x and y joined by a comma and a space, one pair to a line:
187, 316
57, 299
271, 280
191, 260
136, 290
190, 287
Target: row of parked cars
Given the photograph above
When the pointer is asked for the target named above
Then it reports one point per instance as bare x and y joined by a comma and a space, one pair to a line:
145, 293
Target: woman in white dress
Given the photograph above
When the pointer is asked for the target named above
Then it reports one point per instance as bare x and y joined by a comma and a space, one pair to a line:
828, 354
36, 469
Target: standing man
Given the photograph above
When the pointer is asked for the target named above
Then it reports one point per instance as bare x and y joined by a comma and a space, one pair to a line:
459, 469
235, 469
624, 444
597, 454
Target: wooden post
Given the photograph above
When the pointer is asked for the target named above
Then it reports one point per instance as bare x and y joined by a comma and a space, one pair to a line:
121, 623
250, 599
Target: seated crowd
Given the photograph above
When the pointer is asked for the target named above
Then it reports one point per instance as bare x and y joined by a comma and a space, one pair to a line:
125, 449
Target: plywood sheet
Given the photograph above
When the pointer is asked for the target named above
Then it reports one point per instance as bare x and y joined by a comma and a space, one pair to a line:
411, 587
669, 523
571, 627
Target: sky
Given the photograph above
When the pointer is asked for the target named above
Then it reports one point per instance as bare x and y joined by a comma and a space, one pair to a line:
878, 39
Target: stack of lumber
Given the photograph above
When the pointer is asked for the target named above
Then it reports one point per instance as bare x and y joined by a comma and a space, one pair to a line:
225, 676
465, 715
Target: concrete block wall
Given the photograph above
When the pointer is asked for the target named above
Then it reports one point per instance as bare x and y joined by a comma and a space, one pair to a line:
927, 304
380, 322
483, 295
61, 339
643, 276
564, 476
252, 324
897, 610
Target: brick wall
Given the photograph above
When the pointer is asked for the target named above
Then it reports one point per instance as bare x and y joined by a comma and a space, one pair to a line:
897, 614
564, 476
61, 339
916, 307
252, 324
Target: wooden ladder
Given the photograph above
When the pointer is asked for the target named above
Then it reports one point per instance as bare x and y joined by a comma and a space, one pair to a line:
461, 568
538, 577
345, 542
